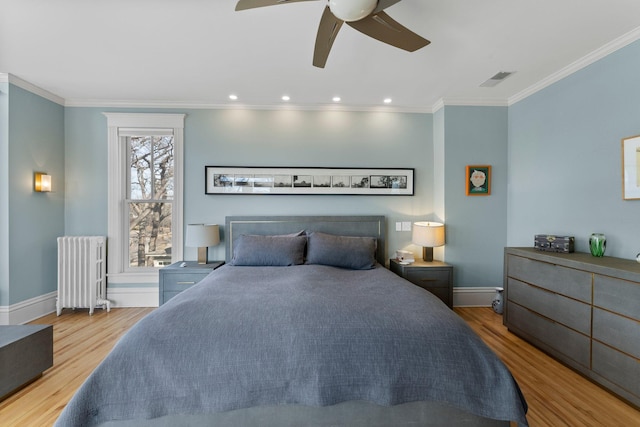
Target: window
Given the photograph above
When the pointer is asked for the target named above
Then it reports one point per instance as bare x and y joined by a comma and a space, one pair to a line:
148, 207
145, 195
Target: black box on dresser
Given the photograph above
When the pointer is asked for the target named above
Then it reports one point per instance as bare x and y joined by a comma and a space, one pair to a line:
552, 243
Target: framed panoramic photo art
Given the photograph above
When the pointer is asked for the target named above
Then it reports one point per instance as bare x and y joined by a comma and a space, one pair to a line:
478, 180
631, 168
284, 180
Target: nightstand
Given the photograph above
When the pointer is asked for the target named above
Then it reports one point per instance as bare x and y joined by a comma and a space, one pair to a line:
436, 277
175, 279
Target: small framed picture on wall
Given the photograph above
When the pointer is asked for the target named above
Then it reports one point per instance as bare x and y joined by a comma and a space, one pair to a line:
478, 180
631, 168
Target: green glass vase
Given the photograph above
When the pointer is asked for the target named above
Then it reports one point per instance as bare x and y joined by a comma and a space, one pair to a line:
597, 244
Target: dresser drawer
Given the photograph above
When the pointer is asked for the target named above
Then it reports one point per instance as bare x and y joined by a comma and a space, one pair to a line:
429, 278
566, 281
574, 314
618, 368
180, 282
617, 295
617, 331
551, 335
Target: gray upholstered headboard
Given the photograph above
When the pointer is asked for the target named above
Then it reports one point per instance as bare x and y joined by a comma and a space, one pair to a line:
370, 226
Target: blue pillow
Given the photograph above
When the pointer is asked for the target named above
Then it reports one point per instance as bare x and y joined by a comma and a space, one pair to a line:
356, 253
277, 250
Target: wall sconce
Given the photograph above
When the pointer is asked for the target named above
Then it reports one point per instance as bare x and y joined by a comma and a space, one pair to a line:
42, 182
202, 236
428, 235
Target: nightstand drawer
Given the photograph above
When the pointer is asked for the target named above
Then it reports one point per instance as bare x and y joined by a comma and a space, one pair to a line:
428, 278
182, 275
180, 282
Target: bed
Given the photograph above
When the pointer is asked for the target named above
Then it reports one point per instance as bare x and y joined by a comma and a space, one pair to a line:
303, 326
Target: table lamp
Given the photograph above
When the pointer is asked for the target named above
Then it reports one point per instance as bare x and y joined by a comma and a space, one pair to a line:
428, 235
202, 236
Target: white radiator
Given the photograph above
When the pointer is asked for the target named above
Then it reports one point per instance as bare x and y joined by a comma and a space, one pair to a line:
82, 279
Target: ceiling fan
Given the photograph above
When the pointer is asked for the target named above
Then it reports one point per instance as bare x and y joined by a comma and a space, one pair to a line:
366, 16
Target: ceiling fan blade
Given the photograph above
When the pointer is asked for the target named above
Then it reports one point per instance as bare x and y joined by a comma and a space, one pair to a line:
252, 4
383, 4
327, 32
381, 27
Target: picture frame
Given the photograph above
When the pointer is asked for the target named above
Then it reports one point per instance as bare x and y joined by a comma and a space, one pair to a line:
309, 181
631, 168
478, 180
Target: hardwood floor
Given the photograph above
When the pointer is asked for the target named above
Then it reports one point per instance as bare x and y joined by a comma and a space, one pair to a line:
556, 395
80, 342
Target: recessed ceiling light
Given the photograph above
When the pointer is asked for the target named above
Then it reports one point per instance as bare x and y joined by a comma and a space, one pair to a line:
233, 97
336, 99
387, 100
285, 97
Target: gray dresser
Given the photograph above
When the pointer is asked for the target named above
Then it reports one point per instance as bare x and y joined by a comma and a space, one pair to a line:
583, 310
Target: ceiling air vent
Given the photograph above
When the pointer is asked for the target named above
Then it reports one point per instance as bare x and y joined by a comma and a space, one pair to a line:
497, 78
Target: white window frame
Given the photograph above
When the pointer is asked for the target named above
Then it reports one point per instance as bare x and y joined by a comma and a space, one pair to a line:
117, 233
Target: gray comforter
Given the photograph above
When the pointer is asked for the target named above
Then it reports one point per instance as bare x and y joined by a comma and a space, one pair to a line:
311, 335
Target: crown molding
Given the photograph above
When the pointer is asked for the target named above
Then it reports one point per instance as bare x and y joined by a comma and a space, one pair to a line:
23, 84
581, 63
468, 102
101, 103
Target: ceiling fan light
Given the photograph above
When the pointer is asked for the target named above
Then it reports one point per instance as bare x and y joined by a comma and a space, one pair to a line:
352, 10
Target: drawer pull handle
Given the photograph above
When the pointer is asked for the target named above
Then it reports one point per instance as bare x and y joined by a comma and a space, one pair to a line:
186, 283
429, 280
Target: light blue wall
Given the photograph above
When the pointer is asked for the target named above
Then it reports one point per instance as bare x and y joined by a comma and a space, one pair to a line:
555, 158
86, 172
4, 193
35, 220
263, 138
565, 157
476, 225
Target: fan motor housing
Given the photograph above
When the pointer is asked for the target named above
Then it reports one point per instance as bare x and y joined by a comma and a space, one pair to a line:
352, 10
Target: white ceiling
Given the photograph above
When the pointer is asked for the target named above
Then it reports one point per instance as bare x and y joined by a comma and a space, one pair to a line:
194, 53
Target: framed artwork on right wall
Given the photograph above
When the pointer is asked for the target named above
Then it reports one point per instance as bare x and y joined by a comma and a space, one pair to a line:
478, 179
631, 168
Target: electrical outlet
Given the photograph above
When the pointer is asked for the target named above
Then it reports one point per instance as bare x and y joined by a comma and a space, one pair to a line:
406, 226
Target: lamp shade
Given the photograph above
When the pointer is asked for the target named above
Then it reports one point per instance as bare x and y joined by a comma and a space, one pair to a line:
202, 235
428, 235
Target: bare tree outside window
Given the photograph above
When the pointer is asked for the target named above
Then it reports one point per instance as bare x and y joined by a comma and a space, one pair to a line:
151, 187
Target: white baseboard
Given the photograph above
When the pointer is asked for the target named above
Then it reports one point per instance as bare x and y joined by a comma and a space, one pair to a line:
133, 297
34, 308
26, 311
473, 297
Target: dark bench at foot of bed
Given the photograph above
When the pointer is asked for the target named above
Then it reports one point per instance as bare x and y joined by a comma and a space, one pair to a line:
26, 351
